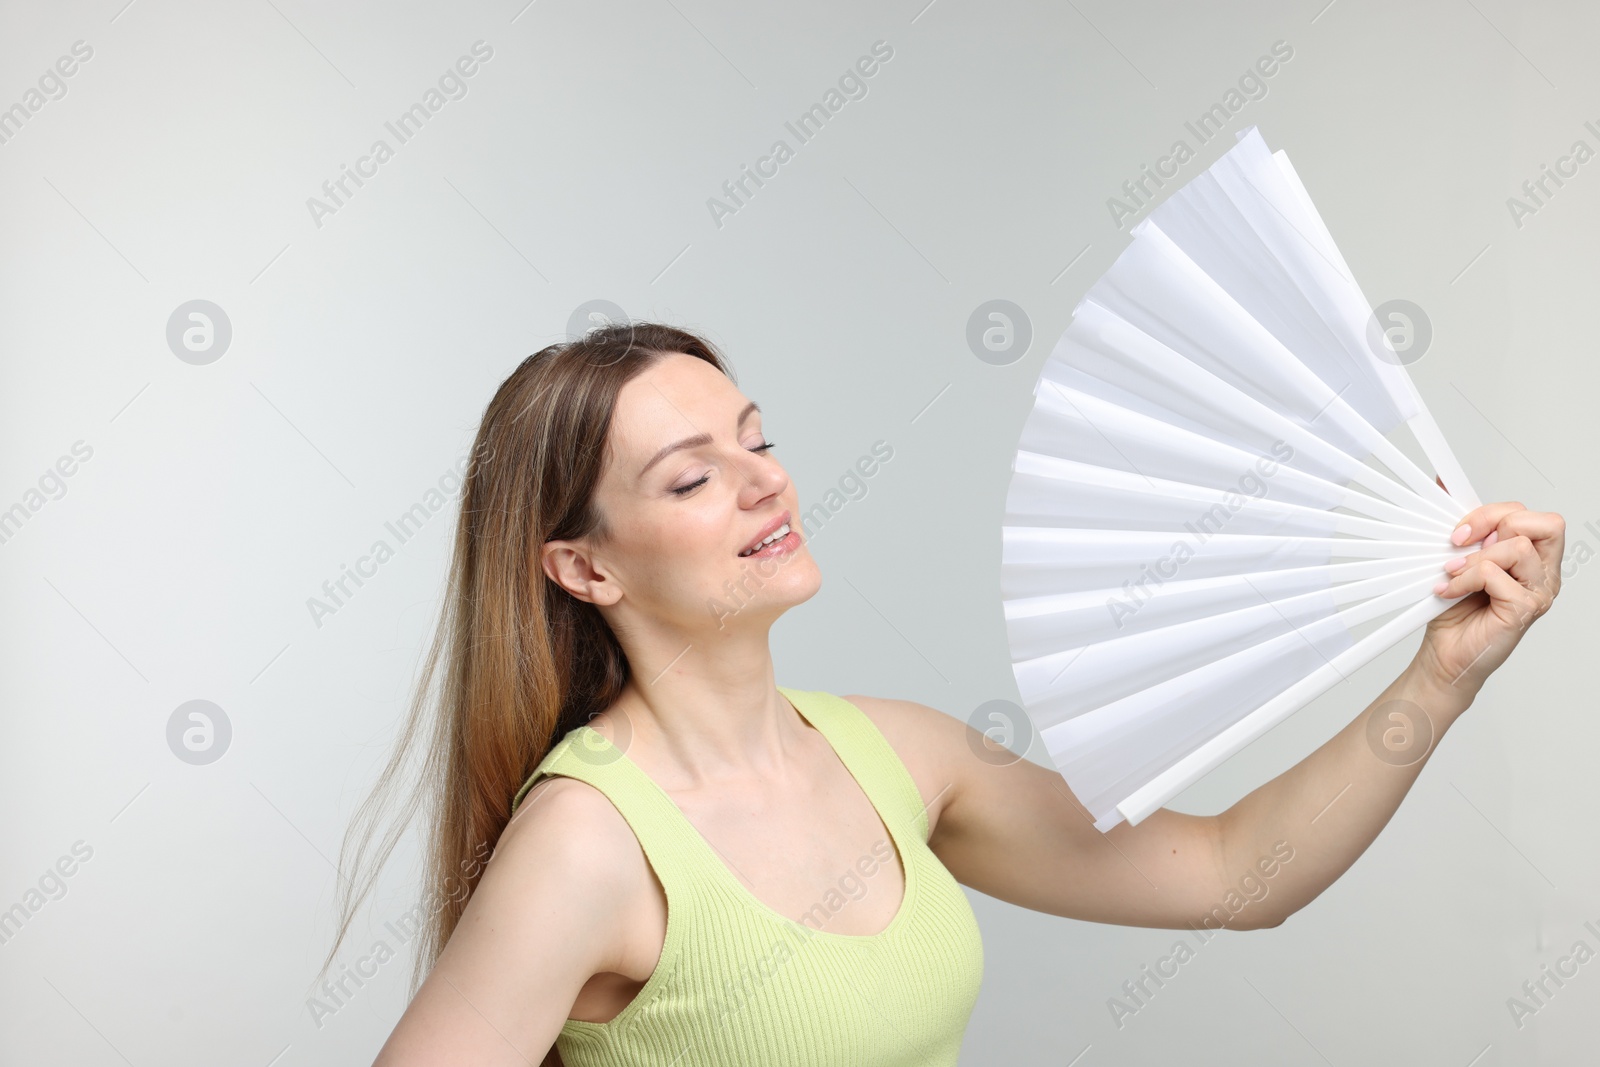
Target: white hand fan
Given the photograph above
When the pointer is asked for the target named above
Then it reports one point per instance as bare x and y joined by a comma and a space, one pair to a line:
1206, 526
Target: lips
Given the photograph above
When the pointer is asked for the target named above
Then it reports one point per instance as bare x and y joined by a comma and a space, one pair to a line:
766, 531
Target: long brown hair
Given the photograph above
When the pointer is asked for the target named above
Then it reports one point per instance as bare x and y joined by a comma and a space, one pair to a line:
523, 660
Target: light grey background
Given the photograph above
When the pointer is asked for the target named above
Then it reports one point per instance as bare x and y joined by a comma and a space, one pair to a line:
178, 563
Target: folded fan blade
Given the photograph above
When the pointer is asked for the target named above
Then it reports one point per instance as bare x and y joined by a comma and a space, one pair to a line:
1071, 424
1045, 625
1116, 748
1049, 490
1247, 227
1073, 680
1108, 357
1040, 560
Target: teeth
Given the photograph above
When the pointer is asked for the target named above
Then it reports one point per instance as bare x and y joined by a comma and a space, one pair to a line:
780, 532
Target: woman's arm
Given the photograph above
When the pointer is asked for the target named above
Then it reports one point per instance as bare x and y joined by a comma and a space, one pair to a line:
549, 912
1013, 829
1330, 806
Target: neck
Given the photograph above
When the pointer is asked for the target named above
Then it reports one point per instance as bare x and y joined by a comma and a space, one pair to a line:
706, 711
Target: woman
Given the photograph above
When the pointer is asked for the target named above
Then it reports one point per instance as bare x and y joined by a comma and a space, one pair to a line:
706, 868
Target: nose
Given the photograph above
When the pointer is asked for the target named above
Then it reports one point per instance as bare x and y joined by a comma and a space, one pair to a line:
763, 477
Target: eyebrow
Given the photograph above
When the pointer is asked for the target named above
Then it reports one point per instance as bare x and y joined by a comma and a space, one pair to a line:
696, 441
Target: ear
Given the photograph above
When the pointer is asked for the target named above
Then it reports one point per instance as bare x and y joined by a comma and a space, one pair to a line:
570, 565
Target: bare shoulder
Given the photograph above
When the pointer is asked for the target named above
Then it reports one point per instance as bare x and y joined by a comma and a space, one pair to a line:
568, 842
934, 745
571, 816
570, 825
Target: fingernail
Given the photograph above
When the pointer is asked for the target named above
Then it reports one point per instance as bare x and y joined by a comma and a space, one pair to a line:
1455, 564
1461, 534
1440, 588
1494, 535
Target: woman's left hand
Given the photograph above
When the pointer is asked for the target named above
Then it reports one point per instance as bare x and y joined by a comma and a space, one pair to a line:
1509, 581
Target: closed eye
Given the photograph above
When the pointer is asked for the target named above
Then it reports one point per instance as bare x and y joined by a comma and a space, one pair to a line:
681, 490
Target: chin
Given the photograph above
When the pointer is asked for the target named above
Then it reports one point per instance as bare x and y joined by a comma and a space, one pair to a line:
766, 589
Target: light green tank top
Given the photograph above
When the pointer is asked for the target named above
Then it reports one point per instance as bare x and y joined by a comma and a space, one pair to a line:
738, 984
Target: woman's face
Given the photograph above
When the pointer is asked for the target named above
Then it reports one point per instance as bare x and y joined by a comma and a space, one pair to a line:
687, 488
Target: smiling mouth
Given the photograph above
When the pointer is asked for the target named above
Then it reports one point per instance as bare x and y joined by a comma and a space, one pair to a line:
776, 535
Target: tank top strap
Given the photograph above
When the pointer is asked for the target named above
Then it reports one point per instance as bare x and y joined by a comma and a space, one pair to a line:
668, 839
867, 754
